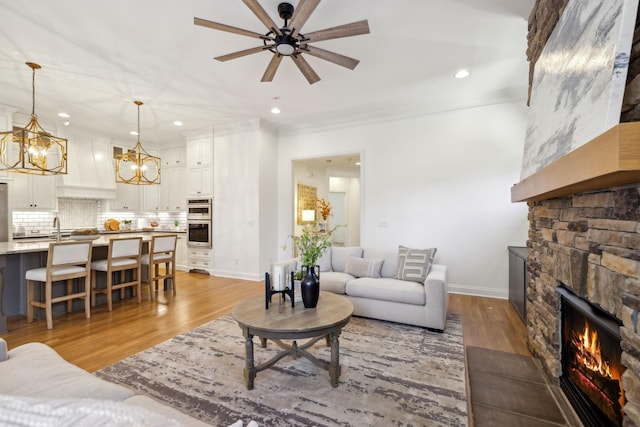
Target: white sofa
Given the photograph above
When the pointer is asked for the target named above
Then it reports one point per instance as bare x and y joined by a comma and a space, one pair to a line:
39, 387
376, 293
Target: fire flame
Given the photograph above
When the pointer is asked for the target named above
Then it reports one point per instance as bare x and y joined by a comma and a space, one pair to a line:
588, 353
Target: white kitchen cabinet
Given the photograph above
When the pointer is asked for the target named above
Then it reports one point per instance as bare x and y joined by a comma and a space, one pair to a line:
200, 152
201, 258
127, 198
151, 196
182, 258
173, 191
33, 192
200, 182
174, 157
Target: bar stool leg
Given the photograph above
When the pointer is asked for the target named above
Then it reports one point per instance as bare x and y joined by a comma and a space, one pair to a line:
47, 305
138, 288
94, 284
69, 292
87, 297
30, 285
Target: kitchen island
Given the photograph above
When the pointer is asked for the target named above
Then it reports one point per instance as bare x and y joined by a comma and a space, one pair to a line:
18, 256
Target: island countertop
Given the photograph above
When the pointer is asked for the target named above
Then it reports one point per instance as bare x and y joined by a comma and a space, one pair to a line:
42, 245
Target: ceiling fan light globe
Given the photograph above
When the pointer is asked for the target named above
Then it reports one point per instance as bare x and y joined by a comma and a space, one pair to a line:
285, 49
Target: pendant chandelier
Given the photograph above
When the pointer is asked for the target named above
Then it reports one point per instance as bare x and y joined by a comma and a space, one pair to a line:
32, 149
136, 166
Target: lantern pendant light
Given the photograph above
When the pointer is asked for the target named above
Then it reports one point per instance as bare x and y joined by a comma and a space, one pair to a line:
136, 166
32, 149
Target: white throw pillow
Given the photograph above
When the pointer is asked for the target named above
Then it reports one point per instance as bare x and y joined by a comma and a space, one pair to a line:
325, 260
414, 264
363, 267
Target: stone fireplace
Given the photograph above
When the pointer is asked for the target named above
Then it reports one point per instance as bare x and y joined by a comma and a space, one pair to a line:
584, 234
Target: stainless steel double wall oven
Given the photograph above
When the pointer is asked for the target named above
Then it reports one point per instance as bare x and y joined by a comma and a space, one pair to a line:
199, 216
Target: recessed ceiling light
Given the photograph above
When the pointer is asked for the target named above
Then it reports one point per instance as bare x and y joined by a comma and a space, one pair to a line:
357, 163
275, 110
66, 123
133, 132
461, 74
177, 123
64, 115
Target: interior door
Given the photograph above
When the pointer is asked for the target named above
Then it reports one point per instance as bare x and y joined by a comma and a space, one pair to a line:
339, 217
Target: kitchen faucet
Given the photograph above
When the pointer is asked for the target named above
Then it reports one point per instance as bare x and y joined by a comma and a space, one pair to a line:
56, 223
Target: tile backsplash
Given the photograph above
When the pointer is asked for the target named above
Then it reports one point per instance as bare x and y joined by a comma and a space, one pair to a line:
88, 213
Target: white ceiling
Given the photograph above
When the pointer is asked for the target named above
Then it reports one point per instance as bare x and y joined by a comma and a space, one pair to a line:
99, 56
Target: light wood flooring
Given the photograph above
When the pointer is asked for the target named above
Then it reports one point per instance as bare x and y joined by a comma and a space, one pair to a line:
130, 328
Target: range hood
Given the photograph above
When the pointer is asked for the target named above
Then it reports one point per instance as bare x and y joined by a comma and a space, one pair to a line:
90, 170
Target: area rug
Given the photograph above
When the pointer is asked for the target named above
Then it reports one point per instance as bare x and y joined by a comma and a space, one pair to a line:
392, 375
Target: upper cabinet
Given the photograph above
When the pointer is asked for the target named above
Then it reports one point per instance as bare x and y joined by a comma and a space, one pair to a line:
173, 196
174, 157
200, 151
33, 192
127, 198
200, 182
200, 165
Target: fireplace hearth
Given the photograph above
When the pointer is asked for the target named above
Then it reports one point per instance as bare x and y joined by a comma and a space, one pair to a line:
591, 361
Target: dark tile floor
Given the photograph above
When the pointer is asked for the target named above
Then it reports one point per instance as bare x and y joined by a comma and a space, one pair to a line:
510, 390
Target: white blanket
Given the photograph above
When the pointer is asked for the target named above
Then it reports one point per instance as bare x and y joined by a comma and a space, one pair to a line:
30, 411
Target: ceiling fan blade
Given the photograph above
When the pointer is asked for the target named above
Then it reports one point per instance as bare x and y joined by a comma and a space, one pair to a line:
262, 15
228, 28
241, 53
346, 30
306, 69
336, 58
272, 68
300, 15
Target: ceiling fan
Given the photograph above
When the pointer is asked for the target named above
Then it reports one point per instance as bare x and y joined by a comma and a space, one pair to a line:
288, 40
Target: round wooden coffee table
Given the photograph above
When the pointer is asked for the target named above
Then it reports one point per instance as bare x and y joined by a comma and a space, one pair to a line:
282, 322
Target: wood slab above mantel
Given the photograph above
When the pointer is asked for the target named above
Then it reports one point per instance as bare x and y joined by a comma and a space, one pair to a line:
610, 159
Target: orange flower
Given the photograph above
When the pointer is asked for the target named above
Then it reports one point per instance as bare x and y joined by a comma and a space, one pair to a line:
325, 208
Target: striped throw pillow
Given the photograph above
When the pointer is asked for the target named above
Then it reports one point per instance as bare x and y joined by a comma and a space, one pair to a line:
414, 264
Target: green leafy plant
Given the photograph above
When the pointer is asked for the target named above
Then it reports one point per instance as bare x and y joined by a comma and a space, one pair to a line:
312, 243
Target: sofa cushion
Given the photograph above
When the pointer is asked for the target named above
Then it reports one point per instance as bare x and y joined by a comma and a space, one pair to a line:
384, 289
334, 281
390, 257
363, 267
339, 256
414, 264
49, 375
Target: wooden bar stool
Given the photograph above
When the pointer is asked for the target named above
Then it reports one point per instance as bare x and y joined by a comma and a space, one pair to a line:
123, 255
66, 261
162, 250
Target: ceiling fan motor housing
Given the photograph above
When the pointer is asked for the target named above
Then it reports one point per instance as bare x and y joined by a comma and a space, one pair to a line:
285, 10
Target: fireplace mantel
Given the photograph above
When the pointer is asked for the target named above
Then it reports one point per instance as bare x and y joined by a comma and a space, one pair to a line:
610, 159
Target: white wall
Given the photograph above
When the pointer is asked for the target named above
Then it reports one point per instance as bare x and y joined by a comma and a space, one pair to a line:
441, 180
244, 201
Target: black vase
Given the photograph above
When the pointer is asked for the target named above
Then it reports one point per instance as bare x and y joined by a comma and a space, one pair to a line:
310, 285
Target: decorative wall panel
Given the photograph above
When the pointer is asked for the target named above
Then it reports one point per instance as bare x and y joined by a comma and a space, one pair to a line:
579, 80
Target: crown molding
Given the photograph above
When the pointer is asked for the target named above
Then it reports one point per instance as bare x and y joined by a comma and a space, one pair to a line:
518, 93
245, 126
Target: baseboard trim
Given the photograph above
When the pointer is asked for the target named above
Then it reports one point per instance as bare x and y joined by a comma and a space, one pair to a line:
237, 275
478, 291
